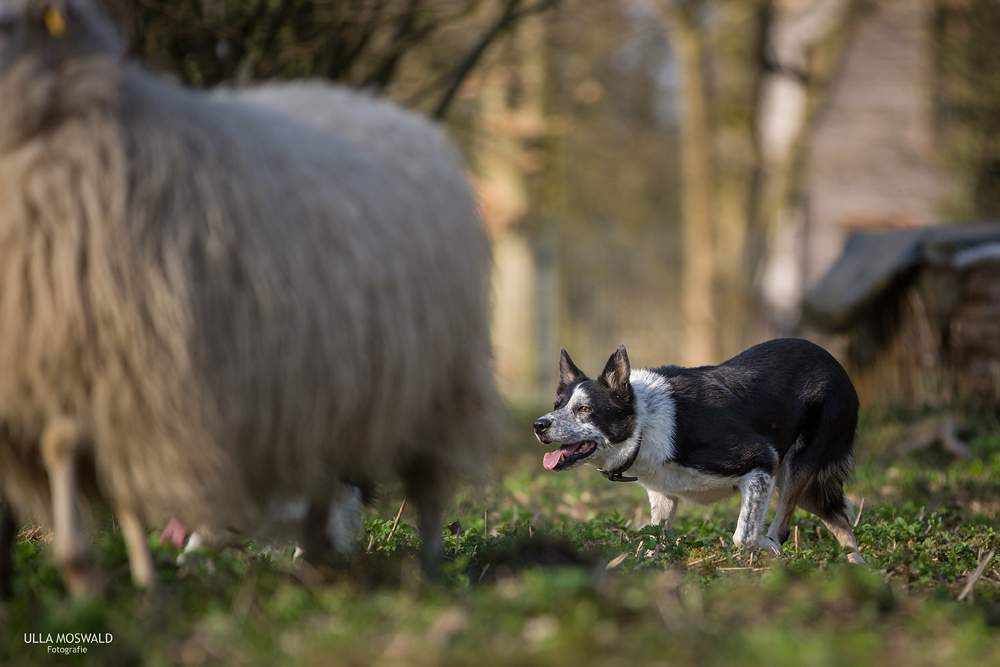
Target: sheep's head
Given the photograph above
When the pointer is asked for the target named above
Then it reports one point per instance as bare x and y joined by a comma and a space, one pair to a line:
46, 50
53, 31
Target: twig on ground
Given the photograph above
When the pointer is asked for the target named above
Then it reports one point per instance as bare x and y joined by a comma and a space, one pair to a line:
861, 508
616, 561
735, 569
983, 563
396, 522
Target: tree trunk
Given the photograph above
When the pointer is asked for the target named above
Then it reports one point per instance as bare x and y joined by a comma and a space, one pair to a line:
783, 111
508, 160
697, 184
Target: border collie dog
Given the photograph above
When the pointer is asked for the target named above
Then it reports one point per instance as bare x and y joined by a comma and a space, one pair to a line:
783, 412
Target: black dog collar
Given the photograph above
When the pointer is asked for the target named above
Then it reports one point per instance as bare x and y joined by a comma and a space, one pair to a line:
616, 475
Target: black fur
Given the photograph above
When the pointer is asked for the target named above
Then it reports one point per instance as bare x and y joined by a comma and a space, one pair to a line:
568, 372
748, 412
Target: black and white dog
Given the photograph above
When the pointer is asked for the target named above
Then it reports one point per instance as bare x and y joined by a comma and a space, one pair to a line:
782, 412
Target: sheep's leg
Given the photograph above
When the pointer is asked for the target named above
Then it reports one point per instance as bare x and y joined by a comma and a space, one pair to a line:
431, 512
344, 523
315, 543
71, 551
8, 533
140, 560
429, 491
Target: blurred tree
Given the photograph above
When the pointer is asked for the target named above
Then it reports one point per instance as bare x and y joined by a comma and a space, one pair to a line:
573, 139
749, 86
700, 343
968, 101
361, 42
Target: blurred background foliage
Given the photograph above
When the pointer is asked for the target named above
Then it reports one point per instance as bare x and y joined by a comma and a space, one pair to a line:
362, 43
967, 99
671, 174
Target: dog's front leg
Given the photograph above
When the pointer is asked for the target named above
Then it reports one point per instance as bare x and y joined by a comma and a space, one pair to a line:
756, 489
662, 508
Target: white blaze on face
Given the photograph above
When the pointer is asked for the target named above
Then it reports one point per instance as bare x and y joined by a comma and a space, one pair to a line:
579, 397
566, 427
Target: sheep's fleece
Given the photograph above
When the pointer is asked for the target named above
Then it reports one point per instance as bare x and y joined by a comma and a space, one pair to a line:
223, 308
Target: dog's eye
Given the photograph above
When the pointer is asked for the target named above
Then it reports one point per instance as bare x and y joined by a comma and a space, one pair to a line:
585, 408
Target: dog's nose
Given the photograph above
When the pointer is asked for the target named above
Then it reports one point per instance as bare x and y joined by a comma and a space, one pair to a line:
542, 424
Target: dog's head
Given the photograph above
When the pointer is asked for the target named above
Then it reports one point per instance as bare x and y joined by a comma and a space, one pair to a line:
591, 417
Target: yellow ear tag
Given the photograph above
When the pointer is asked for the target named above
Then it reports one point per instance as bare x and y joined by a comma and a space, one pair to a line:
55, 22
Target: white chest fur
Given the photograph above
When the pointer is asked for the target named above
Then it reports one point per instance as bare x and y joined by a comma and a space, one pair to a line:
656, 413
688, 484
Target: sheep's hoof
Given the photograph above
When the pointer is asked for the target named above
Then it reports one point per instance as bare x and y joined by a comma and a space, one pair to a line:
82, 579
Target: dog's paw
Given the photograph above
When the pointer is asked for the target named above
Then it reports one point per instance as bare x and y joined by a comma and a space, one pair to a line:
855, 558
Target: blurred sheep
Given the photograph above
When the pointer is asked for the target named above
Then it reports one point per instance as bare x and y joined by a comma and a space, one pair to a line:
222, 308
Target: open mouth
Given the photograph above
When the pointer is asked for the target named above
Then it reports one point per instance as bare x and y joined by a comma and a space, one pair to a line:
568, 456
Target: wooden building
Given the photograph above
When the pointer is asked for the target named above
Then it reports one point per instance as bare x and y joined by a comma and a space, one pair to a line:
921, 309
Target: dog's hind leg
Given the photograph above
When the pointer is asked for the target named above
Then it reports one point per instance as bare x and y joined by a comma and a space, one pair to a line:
792, 482
756, 489
840, 526
662, 508
838, 523
826, 500
833, 464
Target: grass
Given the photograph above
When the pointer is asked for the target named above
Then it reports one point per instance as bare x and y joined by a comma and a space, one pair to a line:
553, 569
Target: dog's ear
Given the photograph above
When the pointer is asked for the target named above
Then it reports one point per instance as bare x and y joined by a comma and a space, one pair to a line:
568, 372
616, 373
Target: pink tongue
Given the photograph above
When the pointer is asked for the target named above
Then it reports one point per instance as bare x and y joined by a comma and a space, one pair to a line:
552, 459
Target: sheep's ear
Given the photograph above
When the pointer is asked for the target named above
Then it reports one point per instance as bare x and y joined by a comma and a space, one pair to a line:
617, 371
568, 372
53, 15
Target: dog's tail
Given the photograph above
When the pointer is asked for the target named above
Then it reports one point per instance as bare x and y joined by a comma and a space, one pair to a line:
825, 494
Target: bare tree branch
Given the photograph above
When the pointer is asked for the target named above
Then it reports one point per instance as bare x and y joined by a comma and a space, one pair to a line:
512, 13
363, 42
